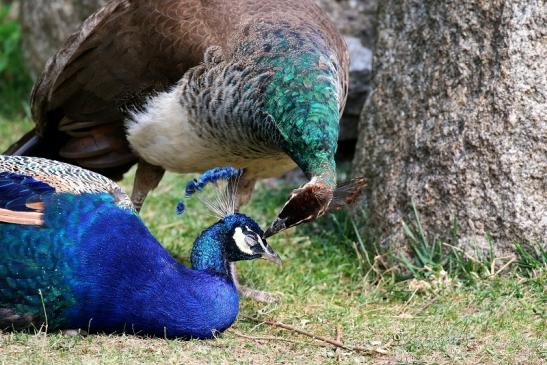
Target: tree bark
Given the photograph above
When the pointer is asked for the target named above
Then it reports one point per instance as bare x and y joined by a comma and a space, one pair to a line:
457, 122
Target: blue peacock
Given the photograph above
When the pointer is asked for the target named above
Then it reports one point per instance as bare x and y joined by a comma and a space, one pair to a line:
66, 265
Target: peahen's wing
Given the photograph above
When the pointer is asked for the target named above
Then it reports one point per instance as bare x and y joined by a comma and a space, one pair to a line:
122, 54
63, 178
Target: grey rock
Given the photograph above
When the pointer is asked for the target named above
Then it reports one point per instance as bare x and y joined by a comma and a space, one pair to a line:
47, 23
457, 123
356, 19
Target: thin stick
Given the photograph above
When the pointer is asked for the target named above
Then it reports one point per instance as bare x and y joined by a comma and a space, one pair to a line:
265, 338
338, 339
405, 306
314, 336
505, 266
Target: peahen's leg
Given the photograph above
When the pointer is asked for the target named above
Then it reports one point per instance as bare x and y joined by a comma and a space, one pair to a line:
147, 178
245, 191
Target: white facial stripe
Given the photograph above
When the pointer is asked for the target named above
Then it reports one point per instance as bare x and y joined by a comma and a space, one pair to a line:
262, 244
239, 238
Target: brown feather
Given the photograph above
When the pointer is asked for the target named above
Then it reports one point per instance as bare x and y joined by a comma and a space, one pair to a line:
347, 194
38, 206
24, 218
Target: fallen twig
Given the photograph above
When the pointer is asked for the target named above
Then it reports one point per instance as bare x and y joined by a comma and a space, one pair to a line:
332, 342
265, 338
338, 339
504, 266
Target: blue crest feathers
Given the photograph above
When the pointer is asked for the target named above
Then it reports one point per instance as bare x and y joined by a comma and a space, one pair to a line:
227, 195
212, 176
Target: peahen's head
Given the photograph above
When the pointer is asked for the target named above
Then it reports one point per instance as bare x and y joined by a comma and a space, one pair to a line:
246, 242
313, 200
304, 205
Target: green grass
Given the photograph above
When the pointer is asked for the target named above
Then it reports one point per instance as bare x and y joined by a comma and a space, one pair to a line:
432, 317
450, 308
15, 83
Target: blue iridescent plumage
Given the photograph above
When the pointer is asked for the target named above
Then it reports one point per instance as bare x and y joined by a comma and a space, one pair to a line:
92, 274
17, 190
211, 176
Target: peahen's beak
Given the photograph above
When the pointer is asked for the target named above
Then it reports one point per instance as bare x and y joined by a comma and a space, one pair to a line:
277, 226
273, 257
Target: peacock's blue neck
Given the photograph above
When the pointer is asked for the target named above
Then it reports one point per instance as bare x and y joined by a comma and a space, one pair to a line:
208, 253
121, 277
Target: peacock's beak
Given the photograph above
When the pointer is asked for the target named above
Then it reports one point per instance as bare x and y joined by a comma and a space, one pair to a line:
277, 226
273, 257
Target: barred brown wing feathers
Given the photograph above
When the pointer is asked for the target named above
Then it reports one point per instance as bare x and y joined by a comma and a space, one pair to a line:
64, 178
347, 194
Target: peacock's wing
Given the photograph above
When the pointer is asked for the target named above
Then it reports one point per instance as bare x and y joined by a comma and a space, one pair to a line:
62, 265
33, 276
61, 177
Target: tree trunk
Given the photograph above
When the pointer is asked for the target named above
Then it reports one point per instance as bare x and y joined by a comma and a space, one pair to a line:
457, 122
47, 23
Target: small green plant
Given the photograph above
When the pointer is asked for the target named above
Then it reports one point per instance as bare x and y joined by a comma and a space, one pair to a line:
531, 257
431, 256
15, 82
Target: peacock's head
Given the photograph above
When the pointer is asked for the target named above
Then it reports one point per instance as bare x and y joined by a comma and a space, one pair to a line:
246, 242
304, 205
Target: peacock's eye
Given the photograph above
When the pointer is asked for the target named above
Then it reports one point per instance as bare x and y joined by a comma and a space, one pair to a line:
250, 240
243, 241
